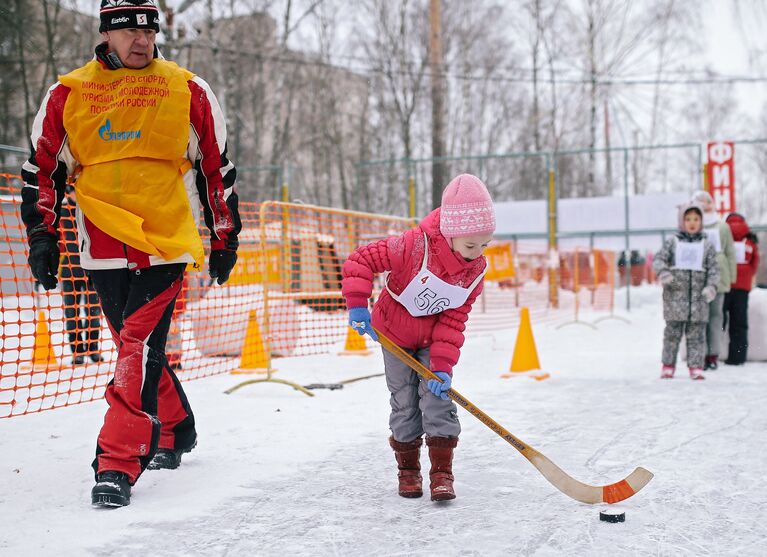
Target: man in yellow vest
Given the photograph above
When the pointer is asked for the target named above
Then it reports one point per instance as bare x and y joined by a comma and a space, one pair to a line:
147, 141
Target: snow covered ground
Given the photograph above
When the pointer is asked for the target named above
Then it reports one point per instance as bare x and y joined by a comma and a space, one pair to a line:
279, 473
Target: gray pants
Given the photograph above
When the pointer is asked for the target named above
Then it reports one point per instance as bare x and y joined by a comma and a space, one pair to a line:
414, 409
715, 325
696, 342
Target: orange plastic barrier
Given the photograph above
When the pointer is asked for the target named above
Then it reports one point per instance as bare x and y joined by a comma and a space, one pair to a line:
287, 278
603, 287
293, 268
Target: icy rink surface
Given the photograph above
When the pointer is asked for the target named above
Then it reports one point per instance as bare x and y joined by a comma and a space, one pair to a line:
278, 473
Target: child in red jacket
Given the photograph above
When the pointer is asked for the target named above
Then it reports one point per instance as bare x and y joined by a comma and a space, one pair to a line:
434, 273
736, 300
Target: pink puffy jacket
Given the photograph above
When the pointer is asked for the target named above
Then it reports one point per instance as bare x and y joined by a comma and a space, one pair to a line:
403, 256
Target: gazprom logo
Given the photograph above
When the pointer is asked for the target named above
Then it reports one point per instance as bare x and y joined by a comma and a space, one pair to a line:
106, 133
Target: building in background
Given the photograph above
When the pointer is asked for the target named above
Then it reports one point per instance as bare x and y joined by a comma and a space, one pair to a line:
38, 42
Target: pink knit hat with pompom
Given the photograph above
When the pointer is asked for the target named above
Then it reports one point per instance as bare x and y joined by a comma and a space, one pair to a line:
466, 209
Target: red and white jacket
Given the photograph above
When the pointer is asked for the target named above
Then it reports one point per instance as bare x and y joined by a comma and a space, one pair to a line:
209, 183
746, 270
402, 256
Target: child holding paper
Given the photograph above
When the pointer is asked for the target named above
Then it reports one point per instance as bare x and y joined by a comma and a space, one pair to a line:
686, 266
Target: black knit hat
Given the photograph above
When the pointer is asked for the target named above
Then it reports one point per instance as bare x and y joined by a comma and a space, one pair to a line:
129, 14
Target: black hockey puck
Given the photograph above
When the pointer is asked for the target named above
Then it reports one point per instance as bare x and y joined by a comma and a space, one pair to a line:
612, 516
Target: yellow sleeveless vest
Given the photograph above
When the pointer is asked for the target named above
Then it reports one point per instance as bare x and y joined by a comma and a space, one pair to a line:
129, 129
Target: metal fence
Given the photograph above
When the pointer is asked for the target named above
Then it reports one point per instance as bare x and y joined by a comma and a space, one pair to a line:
404, 185
625, 172
11, 159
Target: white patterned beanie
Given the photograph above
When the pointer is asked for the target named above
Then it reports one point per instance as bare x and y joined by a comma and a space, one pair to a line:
466, 209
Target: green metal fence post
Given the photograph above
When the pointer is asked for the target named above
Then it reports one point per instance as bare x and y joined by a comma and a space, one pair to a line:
285, 189
627, 266
412, 207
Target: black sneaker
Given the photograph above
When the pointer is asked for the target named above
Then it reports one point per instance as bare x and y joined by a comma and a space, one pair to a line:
111, 490
168, 459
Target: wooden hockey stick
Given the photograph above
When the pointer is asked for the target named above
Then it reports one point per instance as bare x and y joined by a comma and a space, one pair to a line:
571, 487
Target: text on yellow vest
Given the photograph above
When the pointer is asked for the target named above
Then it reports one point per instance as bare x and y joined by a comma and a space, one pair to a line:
129, 130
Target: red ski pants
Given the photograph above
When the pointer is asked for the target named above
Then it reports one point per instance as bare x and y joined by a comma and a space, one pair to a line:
147, 405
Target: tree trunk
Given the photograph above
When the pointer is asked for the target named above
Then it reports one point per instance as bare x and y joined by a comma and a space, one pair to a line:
20, 10
436, 65
590, 184
536, 108
608, 154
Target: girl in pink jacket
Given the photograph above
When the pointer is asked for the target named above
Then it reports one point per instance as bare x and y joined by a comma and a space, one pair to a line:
434, 273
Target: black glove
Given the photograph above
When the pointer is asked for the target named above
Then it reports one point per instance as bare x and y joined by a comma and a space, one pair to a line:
220, 264
44, 259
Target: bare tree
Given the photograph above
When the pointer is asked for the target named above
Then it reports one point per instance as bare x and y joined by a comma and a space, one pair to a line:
40, 39
394, 39
438, 86
620, 38
20, 16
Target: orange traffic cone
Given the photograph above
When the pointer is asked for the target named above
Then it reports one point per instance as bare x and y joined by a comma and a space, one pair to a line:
525, 356
255, 358
43, 356
355, 344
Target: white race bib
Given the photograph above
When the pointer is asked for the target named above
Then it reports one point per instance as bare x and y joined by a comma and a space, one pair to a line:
715, 238
427, 294
740, 251
688, 256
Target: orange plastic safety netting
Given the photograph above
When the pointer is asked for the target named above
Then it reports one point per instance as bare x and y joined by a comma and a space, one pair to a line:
282, 299
285, 291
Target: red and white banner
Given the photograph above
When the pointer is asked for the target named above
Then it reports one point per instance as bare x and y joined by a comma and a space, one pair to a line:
721, 175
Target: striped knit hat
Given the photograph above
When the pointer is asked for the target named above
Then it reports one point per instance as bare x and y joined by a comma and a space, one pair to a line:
129, 14
466, 209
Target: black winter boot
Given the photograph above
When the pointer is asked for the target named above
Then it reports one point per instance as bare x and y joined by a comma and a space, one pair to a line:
168, 459
94, 353
112, 489
78, 351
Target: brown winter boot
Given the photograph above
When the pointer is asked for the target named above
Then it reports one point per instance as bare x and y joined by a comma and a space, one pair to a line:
441, 473
409, 464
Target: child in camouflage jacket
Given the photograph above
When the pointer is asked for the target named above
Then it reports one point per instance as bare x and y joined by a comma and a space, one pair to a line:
686, 266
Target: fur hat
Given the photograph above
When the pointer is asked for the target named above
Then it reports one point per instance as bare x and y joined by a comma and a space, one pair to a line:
129, 14
466, 209
686, 208
702, 197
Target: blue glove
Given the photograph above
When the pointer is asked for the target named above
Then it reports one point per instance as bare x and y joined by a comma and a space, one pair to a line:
359, 320
437, 388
